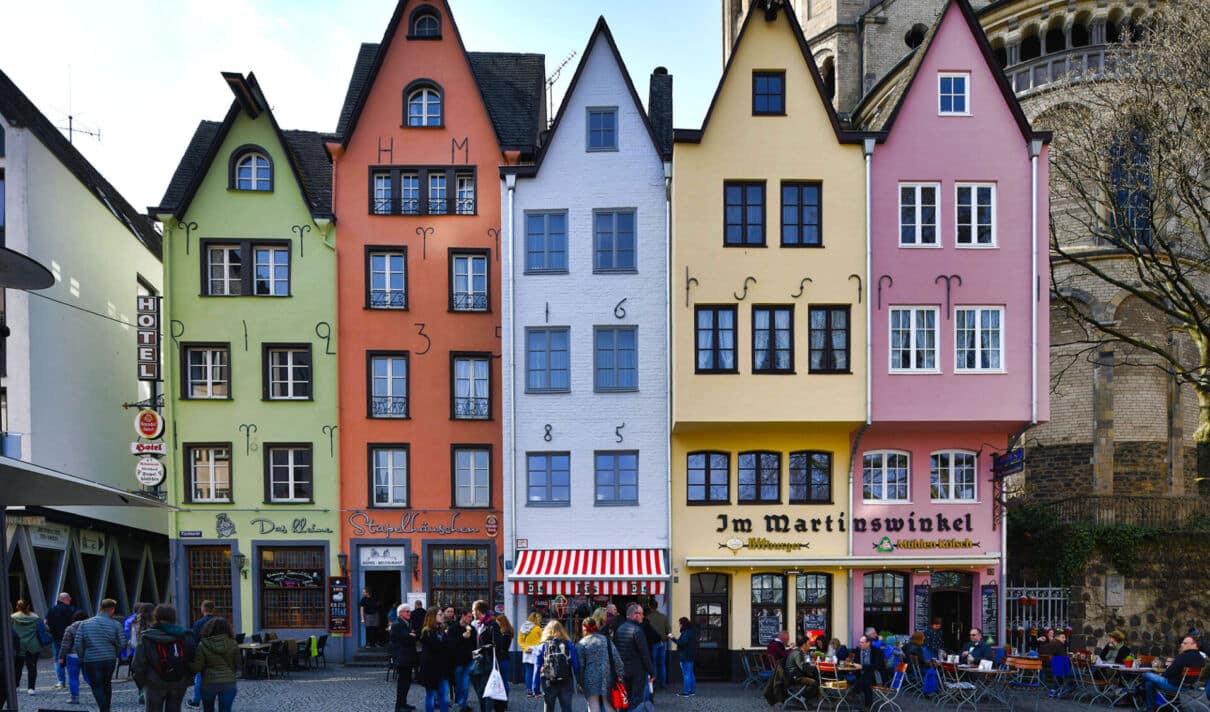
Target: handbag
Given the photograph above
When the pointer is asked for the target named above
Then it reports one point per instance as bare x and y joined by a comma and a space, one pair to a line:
495, 689
43, 634
619, 698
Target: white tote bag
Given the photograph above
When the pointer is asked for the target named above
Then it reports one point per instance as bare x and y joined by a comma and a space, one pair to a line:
495, 689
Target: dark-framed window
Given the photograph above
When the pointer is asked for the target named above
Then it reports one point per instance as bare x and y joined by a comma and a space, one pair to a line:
829, 339
768, 607
801, 214
424, 23
708, 477
470, 386
209, 578
814, 600
288, 473
292, 587
714, 333
459, 575
547, 359
548, 479
471, 476
226, 272
286, 371
546, 241
773, 339
250, 168
769, 93
386, 277
423, 104
615, 477
208, 473
1130, 191
613, 240
601, 128
743, 213
422, 190
758, 477
388, 465
615, 358
810, 477
884, 599
205, 371
469, 281
387, 384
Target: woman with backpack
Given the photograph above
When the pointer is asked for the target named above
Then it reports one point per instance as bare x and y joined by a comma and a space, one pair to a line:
161, 662
600, 667
32, 635
554, 668
436, 662
69, 658
216, 659
137, 624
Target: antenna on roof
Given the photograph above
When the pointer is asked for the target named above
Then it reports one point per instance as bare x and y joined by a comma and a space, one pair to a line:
71, 119
550, 88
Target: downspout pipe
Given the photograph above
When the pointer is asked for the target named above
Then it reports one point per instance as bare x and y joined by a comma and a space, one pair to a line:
1035, 150
668, 364
867, 147
509, 367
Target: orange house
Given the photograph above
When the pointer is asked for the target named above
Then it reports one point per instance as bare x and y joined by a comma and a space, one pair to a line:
424, 129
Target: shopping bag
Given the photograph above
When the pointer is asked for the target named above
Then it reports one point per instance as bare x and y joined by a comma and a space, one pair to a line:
619, 699
495, 689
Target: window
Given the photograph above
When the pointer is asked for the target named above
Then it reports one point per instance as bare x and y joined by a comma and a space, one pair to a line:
616, 478
389, 475
387, 278
472, 476
437, 199
768, 607
885, 601
388, 385
884, 477
465, 204
225, 278
548, 477
422, 190
708, 478
207, 372
382, 194
913, 338
768, 93
224, 273
744, 214
976, 218
287, 372
759, 477
613, 240
918, 214
773, 339
459, 576
1130, 191
952, 476
546, 241
715, 339
814, 593
546, 360
252, 171
810, 477
615, 358
288, 473
292, 587
425, 24
472, 387
603, 128
424, 107
209, 473
209, 575
953, 95
409, 193
829, 339
468, 282
977, 338
800, 215
272, 271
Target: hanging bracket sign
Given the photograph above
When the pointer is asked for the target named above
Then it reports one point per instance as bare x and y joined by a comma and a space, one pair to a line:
148, 424
147, 336
149, 472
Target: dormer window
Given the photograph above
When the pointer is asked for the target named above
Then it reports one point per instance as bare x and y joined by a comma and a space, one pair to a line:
953, 94
250, 169
424, 105
425, 24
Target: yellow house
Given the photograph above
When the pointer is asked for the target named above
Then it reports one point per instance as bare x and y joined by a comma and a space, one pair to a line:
769, 353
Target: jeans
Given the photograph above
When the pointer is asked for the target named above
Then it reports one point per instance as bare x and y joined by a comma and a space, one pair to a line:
1153, 681
73, 675
561, 691
659, 656
196, 697
529, 676
164, 700
223, 694
505, 666
636, 687
462, 684
439, 697
100, 679
689, 680
60, 671
30, 662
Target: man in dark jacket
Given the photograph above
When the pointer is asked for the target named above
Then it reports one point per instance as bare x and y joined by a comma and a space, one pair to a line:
164, 689
403, 651
207, 608
636, 656
462, 640
490, 641
872, 662
1170, 681
57, 620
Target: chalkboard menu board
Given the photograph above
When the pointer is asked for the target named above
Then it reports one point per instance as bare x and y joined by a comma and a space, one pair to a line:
338, 604
989, 601
767, 628
920, 605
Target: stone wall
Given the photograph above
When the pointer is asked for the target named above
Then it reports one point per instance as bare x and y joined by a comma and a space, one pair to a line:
1139, 469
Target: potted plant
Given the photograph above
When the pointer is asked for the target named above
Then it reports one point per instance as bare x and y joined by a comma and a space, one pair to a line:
1129, 661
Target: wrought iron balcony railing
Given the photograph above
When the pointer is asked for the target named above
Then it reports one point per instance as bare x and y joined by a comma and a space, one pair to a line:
388, 299
389, 406
472, 408
470, 301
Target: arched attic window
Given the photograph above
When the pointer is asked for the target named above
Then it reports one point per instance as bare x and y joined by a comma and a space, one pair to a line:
827, 71
250, 168
424, 23
422, 104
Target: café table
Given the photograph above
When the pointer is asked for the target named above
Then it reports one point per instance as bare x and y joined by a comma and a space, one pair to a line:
1128, 677
992, 684
247, 650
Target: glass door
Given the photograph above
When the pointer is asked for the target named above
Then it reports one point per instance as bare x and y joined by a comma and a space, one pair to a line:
708, 599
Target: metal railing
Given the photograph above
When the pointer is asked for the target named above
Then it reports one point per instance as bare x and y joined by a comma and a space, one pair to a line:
1030, 608
1058, 67
1188, 513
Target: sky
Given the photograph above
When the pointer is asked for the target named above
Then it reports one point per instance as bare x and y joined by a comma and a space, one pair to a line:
143, 73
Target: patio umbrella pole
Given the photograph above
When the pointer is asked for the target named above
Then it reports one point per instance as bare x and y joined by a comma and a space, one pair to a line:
6, 608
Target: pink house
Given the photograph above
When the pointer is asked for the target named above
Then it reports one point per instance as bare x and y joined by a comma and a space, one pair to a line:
958, 305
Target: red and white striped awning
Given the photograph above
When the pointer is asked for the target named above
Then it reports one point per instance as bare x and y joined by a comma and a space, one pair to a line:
590, 572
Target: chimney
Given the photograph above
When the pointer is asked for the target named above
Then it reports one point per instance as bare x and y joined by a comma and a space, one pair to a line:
659, 109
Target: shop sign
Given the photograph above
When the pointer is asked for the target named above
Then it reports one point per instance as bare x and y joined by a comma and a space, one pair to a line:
911, 523
338, 604
292, 578
582, 588
92, 543
156, 448
760, 543
886, 546
298, 525
414, 596
781, 524
147, 337
491, 525
149, 472
380, 556
409, 523
48, 536
148, 424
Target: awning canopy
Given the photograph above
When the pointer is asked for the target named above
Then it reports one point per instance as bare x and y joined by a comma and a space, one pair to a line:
24, 484
590, 572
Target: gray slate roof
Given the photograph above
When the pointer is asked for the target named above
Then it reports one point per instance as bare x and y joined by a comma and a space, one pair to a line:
357, 84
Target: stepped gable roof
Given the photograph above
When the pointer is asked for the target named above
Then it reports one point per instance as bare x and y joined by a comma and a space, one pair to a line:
20, 112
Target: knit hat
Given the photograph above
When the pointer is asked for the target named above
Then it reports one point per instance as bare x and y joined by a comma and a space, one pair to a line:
1118, 636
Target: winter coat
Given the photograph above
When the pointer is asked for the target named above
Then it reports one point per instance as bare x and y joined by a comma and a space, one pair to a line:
436, 663
528, 639
686, 644
217, 658
403, 645
99, 639
142, 667
632, 644
197, 628
58, 618
25, 625
594, 652
539, 656
490, 637
69, 640
462, 648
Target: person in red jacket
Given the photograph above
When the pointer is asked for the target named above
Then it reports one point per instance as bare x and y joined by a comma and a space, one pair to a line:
779, 647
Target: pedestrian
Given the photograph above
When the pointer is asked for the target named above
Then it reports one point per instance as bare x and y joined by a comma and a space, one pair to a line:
933, 640
207, 609
555, 664
636, 656
600, 667
138, 623
490, 646
462, 639
686, 647
99, 640
31, 635
217, 658
162, 661
57, 619
505, 660
403, 652
369, 618
659, 652
69, 660
418, 613
436, 664
528, 640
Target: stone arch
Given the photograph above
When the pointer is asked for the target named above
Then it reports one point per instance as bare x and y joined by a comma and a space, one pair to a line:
999, 50
827, 71
1031, 43
1081, 29
1054, 36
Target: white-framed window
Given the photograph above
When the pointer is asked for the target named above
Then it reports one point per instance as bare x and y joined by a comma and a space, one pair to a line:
952, 476
472, 477
253, 172
388, 385
388, 282
209, 473
390, 475
289, 473
424, 107
272, 277
409, 193
288, 375
207, 372
225, 267
472, 388
975, 215
382, 193
437, 194
426, 24
885, 476
979, 338
466, 194
468, 283
953, 94
918, 210
913, 339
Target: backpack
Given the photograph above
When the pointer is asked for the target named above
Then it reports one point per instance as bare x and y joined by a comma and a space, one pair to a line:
170, 664
556, 662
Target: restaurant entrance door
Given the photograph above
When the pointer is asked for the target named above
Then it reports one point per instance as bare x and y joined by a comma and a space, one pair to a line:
708, 599
950, 599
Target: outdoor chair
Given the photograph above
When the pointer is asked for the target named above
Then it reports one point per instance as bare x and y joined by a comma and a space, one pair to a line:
302, 654
913, 684
955, 690
1172, 700
885, 697
239, 638
832, 688
257, 660
746, 662
319, 653
258, 638
279, 658
1029, 671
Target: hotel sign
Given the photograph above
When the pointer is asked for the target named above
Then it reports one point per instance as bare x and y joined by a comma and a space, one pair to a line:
147, 337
